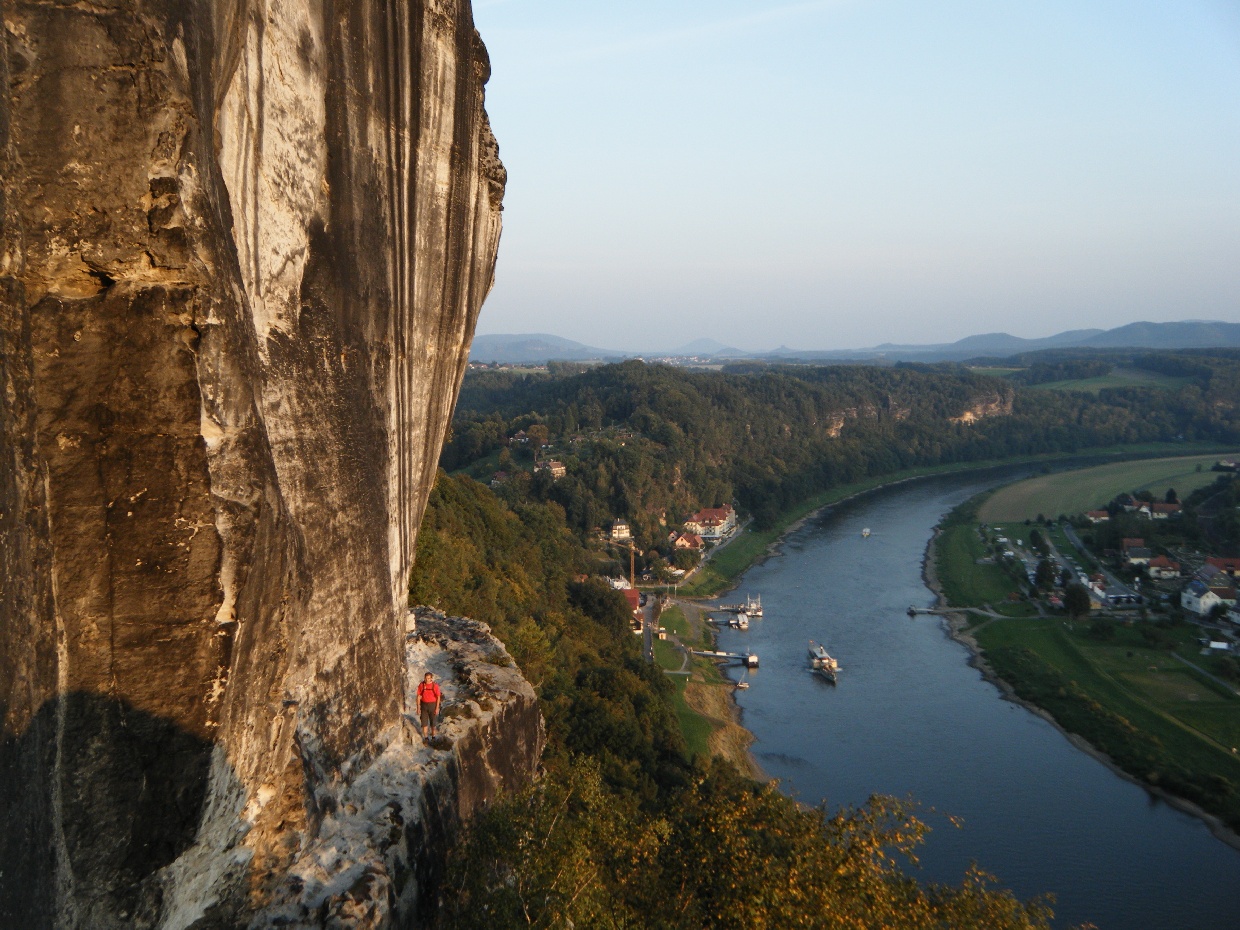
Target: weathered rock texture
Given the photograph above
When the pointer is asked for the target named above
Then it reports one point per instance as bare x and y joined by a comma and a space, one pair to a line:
244, 245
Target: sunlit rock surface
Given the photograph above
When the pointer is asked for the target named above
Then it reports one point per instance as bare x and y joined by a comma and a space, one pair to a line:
244, 246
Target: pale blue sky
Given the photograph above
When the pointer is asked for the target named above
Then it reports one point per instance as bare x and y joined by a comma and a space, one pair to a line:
839, 173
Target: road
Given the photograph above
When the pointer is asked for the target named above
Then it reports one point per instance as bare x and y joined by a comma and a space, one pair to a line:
1112, 581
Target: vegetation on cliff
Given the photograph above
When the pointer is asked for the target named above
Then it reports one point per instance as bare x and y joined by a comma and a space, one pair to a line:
650, 444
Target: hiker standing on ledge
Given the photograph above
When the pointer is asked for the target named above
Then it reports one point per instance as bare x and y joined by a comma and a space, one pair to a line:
430, 697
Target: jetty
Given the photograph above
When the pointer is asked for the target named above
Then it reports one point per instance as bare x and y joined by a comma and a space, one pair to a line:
748, 659
944, 611
752, 606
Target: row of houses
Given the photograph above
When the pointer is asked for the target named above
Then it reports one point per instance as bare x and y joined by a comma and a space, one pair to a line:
1149, 510
705, 526
1213, 584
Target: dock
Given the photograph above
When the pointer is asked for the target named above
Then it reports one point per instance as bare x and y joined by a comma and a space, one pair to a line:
748, 659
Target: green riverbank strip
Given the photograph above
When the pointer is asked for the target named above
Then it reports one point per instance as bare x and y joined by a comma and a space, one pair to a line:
695, 727
1128, 688
732, 560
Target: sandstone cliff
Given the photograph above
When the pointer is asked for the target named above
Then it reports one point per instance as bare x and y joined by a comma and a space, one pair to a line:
244, 246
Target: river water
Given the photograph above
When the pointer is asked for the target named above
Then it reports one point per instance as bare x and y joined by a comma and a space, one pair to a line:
911, 718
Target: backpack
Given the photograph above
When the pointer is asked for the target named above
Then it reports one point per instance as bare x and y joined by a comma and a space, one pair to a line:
428, 693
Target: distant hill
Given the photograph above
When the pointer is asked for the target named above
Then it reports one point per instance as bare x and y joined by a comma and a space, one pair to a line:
534, 349
1188, 334
707, 347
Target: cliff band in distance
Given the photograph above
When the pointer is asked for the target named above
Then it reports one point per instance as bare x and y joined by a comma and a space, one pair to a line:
243, 248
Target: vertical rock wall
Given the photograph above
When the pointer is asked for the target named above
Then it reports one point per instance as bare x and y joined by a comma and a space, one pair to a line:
244, 246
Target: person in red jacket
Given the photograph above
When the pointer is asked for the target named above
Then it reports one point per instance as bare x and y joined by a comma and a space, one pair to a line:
430, 697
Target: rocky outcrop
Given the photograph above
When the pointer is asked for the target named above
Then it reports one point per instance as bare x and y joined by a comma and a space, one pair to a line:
996, 404
380, 844
244, 246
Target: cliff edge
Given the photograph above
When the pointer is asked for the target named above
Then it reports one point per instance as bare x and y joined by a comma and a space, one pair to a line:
243, 248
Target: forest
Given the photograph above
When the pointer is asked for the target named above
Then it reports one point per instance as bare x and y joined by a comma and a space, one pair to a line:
650, 444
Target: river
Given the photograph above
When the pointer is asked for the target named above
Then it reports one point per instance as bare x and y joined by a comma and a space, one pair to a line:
911, 718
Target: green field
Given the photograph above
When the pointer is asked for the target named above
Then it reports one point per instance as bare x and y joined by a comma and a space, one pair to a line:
996, 371
1149, 712
696, 728
1074, 492
668, 656
965, 582
1118, 378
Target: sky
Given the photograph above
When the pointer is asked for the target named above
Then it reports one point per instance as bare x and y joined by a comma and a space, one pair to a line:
834, 174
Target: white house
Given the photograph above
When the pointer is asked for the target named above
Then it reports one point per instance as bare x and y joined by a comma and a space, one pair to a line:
1198, 599
620, 532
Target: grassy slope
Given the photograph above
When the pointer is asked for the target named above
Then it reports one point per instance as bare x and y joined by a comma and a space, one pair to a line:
1156, 718
1118, 378
1074, 492
965, 582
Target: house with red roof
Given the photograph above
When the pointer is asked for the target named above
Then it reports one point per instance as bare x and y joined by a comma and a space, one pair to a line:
1163, 511
1230, 566
712, 522
691, 541
1162, 568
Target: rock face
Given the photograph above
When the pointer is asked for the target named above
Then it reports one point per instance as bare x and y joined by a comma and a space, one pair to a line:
996, 404
244, 246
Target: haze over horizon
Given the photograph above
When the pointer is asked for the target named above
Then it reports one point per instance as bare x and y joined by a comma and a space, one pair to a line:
843, 174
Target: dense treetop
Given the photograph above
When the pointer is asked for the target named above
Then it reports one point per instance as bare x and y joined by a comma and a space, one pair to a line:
651, 443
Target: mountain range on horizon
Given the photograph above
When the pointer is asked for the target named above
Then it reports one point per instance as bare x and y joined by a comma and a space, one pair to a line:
539, 348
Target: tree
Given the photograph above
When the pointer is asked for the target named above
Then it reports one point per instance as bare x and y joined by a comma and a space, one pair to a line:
1044, 577
1037, 542
1076, 600
539, 435
1172, 497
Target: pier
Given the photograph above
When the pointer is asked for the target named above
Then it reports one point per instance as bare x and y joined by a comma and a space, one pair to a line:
748, 659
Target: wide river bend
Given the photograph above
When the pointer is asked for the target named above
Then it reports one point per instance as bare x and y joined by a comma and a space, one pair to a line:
911, 718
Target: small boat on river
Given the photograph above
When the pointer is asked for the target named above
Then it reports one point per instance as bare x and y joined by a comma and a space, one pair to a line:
753, 607
865, 533
822, 662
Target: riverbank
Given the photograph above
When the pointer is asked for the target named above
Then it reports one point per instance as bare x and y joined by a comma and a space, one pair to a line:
710, 719
751, 546
961, 629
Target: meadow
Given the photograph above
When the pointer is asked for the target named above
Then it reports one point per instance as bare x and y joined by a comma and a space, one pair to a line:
1131, 696
1074, 492
1118, 378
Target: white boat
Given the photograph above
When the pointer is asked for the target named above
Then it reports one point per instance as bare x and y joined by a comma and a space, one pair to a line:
739, 621
742, 685
753, 607
822, 661
865, 533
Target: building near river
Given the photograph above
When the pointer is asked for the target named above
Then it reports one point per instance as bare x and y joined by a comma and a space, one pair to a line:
712, 522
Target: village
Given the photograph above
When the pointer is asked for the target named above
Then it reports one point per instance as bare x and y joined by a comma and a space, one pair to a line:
1091, 564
